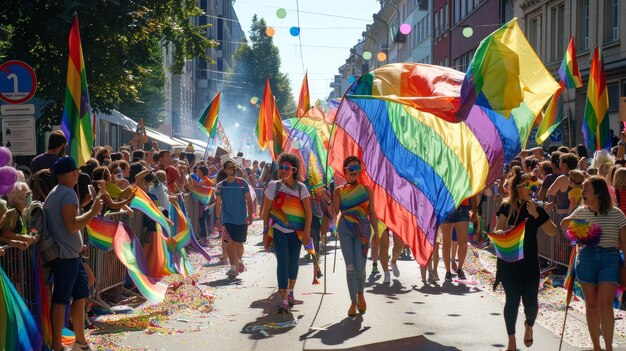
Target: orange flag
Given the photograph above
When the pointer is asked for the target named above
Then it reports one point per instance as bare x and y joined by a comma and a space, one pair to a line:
304, 102
269, 127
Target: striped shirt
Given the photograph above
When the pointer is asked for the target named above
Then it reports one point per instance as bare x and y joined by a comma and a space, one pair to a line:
610, 223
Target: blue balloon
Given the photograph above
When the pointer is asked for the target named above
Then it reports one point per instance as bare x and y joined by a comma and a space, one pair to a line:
351, 79
294, 31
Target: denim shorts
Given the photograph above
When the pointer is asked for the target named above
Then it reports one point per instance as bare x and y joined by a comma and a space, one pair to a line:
237, 232
461, 214
597, 264
70, 280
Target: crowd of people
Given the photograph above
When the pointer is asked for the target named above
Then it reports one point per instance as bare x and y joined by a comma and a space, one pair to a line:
546, 191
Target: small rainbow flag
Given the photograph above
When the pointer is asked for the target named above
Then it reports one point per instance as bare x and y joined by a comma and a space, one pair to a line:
570, 276
569, 72
202, 193
596, 118
144, 203
510, 246
208, 120
100, 233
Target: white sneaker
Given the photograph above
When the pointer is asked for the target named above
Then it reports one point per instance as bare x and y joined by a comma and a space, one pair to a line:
80, 347
394, 268
387, 278
231, 273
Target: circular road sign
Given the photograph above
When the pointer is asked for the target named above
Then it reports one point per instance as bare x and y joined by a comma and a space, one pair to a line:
18, 82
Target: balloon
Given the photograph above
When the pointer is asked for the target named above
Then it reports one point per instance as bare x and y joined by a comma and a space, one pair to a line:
405, 28
294, 31
468, 32
237, 125
6, 189
367, 55
281, 13
351, 79
381, 56
254, 100
8, 176
269, 31
239, 107
5, 156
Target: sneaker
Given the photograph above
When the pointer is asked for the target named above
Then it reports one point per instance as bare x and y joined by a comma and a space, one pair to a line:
80, 347
460, 274
231, 273
394, 268
375, 269
448, 276
283, 308
387, 278
242, 267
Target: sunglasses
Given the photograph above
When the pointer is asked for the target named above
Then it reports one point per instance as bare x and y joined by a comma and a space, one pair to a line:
284, 167
354, 168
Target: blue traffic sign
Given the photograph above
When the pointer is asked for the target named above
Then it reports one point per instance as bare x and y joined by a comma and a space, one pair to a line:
556, 136
18, 82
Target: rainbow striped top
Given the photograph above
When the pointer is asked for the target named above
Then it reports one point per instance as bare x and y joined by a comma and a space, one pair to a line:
287, 212
354, 204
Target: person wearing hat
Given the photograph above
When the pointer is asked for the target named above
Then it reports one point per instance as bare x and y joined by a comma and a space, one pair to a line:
234, 209
70, 277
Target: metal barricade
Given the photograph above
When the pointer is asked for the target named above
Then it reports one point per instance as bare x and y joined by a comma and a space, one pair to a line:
17, 265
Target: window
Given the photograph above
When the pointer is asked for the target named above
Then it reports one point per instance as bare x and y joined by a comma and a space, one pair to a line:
582, 25
508, 10
445, 17
557, 35
463, 8
437, 24
611, 21
534, 34
457, 11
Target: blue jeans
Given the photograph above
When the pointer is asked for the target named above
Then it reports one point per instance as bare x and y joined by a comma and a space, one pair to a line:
352, 250
287, 247
597, 264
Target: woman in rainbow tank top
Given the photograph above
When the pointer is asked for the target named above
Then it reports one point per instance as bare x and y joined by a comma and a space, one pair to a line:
287, 209
356, 203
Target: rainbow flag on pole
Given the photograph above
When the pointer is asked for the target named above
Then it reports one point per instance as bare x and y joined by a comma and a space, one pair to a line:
208, 120
304, 101
551, 117
269, 128
144, 203
596, 118
569, 72
510, 246
76, 122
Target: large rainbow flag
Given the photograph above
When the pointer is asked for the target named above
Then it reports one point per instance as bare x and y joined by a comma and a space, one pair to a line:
569, 72
596, 118
510, 246
76, 121
430, 137
144, 203
208, 120
18, 329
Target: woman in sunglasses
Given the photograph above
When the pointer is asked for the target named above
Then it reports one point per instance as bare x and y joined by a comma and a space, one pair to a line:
356, 203
520, 279
287, 209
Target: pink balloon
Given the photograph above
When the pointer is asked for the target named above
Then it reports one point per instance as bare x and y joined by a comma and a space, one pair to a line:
405, 28
8, 176
6, 189
5, 156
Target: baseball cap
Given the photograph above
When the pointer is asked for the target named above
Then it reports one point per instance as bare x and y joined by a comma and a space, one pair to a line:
64, 165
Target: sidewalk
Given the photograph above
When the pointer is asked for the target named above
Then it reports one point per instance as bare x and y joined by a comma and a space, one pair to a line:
405, 315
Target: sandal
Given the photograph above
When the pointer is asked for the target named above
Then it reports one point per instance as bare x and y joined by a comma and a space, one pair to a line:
361, 306
352, 310
527, 342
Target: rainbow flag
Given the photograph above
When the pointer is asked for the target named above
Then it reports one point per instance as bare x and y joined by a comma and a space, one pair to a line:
144, 203
570, 276
180, 228
76, 122
194, 241
208, 120
40, 306
269, 128
596, 118
158, 258
333, 106
510, 246
18, 329
569, 72
202, 193
304, 101
551, 117
129, 251
100, 232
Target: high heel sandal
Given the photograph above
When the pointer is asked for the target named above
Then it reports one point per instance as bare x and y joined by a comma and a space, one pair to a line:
527, 342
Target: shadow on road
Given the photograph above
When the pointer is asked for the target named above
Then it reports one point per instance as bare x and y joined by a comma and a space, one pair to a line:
338, 333
390, 289
271, 324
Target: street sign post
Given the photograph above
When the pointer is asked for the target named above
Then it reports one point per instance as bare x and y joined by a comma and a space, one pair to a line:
18, 82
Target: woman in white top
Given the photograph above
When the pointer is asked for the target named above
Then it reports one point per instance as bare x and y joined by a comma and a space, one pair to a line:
597, 267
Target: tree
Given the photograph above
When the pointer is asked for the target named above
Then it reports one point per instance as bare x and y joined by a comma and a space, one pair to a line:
253, 64
120, 41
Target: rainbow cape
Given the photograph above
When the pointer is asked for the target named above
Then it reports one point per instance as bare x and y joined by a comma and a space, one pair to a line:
76, 121
129, 251
144, 203
596, 119
100, 232
430, 137
18, 329
510, 246
569, 72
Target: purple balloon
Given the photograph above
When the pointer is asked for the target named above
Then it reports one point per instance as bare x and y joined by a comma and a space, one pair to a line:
5, 156
6, 189
8, 176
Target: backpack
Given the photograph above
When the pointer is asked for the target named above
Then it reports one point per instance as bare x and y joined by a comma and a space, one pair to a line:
35, 218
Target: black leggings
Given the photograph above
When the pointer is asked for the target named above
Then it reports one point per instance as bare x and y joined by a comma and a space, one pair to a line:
522, 286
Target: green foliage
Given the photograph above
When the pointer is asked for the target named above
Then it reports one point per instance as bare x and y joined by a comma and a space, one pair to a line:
253, 64
122, 48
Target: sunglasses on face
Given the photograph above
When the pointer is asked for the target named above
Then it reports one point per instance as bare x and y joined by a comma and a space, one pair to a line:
284, 167
354, 168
